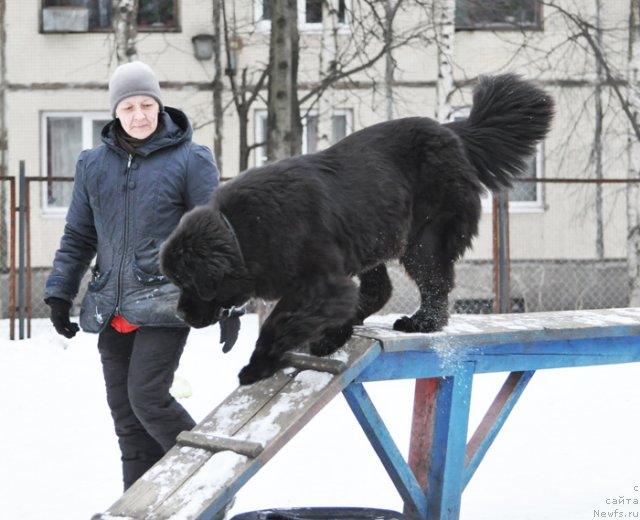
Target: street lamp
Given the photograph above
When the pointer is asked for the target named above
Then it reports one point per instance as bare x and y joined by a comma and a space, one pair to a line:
234, 46
202, 46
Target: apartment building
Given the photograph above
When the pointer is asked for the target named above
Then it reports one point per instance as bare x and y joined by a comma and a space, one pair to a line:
56, 57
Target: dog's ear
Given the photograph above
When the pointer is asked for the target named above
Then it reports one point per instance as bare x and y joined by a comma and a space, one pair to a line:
170, 259
206, 286
202, 250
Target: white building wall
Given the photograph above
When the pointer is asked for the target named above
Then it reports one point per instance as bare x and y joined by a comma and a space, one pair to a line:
61, 72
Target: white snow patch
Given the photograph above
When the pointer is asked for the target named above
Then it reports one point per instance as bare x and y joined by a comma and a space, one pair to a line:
265, 428
536, 469
209, 480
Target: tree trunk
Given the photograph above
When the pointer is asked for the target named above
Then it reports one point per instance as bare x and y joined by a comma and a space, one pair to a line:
633, 189
444, 17
124, 17
218, 87
243, 121
597, 138
284, 130
327, 63
4, 240
390, 63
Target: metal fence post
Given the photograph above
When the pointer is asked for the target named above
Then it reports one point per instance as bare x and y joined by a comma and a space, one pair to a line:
22, 209
501, 257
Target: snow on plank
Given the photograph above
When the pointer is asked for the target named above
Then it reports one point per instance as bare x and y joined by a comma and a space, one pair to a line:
195, 482
469, 329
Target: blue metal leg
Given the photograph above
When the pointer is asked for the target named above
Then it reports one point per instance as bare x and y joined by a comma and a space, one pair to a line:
382, 442
446, 469
494, 419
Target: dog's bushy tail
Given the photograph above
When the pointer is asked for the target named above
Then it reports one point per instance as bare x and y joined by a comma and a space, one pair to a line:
508, 117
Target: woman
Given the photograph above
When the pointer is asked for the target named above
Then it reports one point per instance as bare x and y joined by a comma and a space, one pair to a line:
129, 194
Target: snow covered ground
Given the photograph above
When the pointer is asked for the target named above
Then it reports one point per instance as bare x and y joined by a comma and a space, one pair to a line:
569, 451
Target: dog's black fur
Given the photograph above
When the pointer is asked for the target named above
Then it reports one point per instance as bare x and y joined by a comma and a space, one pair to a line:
298, 230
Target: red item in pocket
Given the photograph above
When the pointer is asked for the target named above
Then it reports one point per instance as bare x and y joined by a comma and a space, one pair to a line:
122, 325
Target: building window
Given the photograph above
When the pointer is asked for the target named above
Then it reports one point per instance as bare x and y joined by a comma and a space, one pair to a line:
309, 13
153, 15
523, 196
341, 126
64, 136
527, 196
498, 14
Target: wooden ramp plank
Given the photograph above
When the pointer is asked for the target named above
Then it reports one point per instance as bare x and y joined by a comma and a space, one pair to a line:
466, 330
504, 343
216, 443
180, 463
190, 482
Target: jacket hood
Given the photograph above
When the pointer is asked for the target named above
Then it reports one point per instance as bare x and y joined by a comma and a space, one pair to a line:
176, 130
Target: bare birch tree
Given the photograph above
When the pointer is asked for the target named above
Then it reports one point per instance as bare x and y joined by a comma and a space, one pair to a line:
124, 19
328, 52
611, 79
4, 242
389, 61
218, 86
284, 128
633, 189
444, 18
625, 89
371, 38
243, 93
597, 135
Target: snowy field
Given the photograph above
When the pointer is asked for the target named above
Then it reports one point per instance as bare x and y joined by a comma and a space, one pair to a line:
570, 450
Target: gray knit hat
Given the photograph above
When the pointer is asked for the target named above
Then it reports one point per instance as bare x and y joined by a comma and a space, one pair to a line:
133, 79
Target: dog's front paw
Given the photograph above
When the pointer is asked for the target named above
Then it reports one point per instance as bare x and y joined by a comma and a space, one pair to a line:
403, 324
258, 369
411, 324
323, 347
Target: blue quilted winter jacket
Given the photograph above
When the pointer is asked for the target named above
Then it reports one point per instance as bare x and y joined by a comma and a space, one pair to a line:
122, 209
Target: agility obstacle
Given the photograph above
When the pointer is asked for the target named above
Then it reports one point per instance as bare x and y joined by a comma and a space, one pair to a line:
211, 463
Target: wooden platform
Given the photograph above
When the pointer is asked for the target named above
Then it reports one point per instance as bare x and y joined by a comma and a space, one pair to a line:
210, 464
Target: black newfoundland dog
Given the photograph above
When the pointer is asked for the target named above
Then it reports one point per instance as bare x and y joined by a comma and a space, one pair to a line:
298, 230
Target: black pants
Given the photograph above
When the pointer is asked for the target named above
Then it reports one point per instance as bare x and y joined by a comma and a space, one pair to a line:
138, 372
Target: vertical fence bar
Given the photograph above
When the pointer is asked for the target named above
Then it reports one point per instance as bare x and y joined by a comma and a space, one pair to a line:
27, 212
12, 260
501, 288
11, 244
21, 250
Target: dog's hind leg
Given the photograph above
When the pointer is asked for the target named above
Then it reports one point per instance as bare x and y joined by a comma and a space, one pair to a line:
430, 263
300, 317
375, 291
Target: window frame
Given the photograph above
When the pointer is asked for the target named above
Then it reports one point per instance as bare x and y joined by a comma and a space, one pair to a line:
346, 112
529, 206
88, 117
505, 26
141, 28
260, 121
264, 25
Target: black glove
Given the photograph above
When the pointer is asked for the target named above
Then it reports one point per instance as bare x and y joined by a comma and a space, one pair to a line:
60, 317
229, 327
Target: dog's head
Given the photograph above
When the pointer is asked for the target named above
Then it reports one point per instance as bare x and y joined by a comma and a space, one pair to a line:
202, 259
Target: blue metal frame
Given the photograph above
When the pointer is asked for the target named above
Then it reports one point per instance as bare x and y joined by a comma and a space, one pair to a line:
451, 462
382, 442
